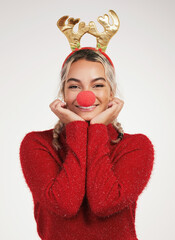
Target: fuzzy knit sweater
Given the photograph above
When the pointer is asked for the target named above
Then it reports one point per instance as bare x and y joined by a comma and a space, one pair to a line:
87, 190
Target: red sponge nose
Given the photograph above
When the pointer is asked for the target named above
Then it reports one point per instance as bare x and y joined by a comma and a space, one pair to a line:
86, 98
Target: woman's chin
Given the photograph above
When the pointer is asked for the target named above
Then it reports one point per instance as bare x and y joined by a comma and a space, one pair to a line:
87, 118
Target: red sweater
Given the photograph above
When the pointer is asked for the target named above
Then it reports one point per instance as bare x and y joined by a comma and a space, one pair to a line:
88, 190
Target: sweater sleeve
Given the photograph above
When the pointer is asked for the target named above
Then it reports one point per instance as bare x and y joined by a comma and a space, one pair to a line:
113, 184
60, 188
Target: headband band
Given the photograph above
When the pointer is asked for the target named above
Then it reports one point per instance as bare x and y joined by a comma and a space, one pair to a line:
77, 49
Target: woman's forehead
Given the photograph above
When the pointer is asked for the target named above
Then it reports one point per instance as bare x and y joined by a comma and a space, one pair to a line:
89, 67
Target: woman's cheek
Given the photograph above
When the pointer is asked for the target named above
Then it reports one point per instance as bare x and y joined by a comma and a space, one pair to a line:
70, 97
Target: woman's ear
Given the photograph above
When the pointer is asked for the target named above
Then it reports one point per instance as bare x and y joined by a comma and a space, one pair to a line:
64, 100
63, 97
111, 96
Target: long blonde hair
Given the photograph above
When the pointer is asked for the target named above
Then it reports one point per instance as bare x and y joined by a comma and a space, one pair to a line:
94, 56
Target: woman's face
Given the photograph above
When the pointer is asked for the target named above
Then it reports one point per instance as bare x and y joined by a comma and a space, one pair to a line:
87, 76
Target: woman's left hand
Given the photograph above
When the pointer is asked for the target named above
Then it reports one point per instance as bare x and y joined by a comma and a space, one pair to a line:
110, 114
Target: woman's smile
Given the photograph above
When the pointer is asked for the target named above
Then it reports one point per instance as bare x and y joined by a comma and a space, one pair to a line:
87, 109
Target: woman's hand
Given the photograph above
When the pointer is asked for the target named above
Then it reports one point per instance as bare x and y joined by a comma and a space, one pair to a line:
65, 115
110, 114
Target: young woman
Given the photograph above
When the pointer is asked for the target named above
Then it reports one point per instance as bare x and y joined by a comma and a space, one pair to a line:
86, 174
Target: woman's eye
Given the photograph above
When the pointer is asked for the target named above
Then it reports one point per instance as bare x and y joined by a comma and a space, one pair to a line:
99, 85
73, 86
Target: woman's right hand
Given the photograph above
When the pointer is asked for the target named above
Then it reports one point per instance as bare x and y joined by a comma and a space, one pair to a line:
65, 115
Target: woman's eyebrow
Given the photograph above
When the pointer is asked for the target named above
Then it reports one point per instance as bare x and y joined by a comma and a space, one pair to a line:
77, 80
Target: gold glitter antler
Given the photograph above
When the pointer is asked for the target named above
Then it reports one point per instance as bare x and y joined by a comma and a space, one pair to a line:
73, 38
109, 30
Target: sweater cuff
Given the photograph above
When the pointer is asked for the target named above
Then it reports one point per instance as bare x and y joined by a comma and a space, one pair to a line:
98, 134
76, 132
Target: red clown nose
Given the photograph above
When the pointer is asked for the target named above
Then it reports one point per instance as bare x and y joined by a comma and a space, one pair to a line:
86, 98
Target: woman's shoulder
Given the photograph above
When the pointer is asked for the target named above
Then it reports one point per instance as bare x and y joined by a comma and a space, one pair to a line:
38, 136
136, 136
137, 144
40, 133
137, 139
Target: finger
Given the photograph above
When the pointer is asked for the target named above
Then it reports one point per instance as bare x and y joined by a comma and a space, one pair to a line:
119, 102
117, 99
55, 103
114, 102
59, 106
60, 103
57, 109
116, 106
110, 104
52, 104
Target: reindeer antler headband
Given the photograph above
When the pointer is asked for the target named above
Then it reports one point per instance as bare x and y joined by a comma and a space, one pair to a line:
102, 38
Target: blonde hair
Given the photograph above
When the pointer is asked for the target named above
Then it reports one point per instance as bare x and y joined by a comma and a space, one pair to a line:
94, 56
